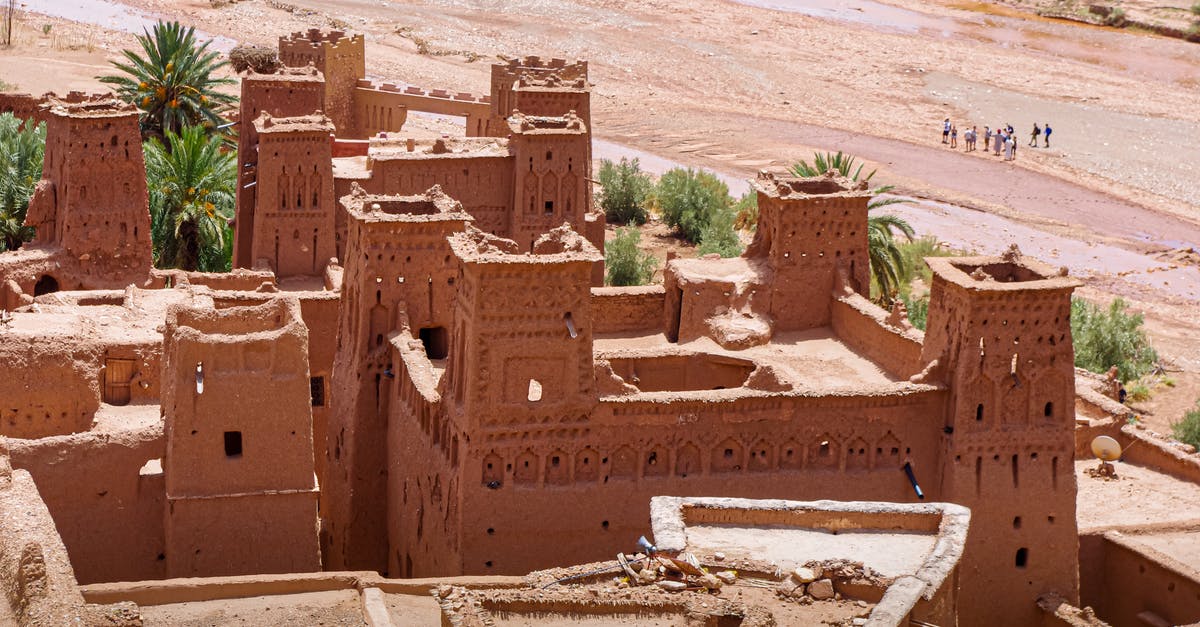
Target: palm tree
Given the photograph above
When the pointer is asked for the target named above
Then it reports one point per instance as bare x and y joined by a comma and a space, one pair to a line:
192, 184
22, 146
887, 263
172, 80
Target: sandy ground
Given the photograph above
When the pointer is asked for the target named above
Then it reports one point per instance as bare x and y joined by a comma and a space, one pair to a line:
1139, 497
740, 86
335, 608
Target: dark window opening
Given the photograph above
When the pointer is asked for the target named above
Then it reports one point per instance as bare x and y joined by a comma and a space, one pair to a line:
1049, 410
1022, 557
979, 412
549, 207
45, 285
436, 341
316, 388
233, 444
1017, 522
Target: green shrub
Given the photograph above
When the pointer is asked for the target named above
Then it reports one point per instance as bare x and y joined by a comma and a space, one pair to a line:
719, 236
1116, 18
913, 253
1196, 8
624, 189
918, 309
1106, 337
747, 211
624, 262
1188, 429
22, 147
690, 199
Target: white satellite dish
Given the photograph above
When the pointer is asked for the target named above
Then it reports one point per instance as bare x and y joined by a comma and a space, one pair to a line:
1106, 448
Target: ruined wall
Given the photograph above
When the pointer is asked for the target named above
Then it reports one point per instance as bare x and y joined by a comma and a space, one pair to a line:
107, 509
628, 309
999, 329
505, 96
31, 407
1129, 583
239, 441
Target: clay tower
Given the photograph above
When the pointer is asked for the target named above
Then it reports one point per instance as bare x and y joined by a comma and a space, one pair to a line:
809, 230
1000, 328
551, 170
399, 273
293, 204
240, 486
341, 59
92, 199
287, 93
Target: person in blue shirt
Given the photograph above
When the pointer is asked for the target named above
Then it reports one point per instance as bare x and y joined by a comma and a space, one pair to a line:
1047, 132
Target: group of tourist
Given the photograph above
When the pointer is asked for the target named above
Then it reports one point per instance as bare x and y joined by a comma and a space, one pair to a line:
1003, 140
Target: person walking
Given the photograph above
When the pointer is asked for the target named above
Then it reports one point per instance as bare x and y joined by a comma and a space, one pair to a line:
1009, 148
946, 131
1047, 132
1033, 139
987, 137
999, 142
974, 137
954, 137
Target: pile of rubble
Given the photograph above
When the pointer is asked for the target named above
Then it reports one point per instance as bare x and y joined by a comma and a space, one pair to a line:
673, 574
823, 581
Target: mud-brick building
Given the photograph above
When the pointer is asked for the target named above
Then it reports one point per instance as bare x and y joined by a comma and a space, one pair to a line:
547, 413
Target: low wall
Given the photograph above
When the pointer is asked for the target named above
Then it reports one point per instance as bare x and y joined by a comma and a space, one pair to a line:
1129, 583
1057, 612
35, 574
864, 327
628, 309
109, 514
215, 588
240, 279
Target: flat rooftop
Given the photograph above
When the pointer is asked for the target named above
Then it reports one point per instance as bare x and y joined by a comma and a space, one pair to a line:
812, 362
1139, 497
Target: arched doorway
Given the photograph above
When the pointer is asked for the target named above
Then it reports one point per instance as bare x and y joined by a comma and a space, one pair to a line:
45, 285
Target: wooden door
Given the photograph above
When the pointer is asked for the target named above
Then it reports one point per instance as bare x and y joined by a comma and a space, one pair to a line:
117, 374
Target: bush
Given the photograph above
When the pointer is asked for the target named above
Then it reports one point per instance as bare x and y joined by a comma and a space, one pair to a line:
918, 309
625, 263
747, 211
623, 191
22, 148
1196, 8
1188, 429
720, 237
1106, 337
690, 199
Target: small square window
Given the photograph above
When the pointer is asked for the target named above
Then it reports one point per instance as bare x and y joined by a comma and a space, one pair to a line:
233, 444
316, 388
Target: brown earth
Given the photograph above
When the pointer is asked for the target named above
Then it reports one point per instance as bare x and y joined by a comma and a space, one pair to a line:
737, 88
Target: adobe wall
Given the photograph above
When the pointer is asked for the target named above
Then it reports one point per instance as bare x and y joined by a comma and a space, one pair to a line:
36, 579
628, 309
31, 407
628, 451
891, 342
551, 167
109, 514
384, 106
400, 278
482, 183
1122, 578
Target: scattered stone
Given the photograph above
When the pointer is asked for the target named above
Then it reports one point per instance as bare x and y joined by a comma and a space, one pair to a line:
805, 575
821, 589
727, 576
859, 621
672, 586
861, 603
719, 556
